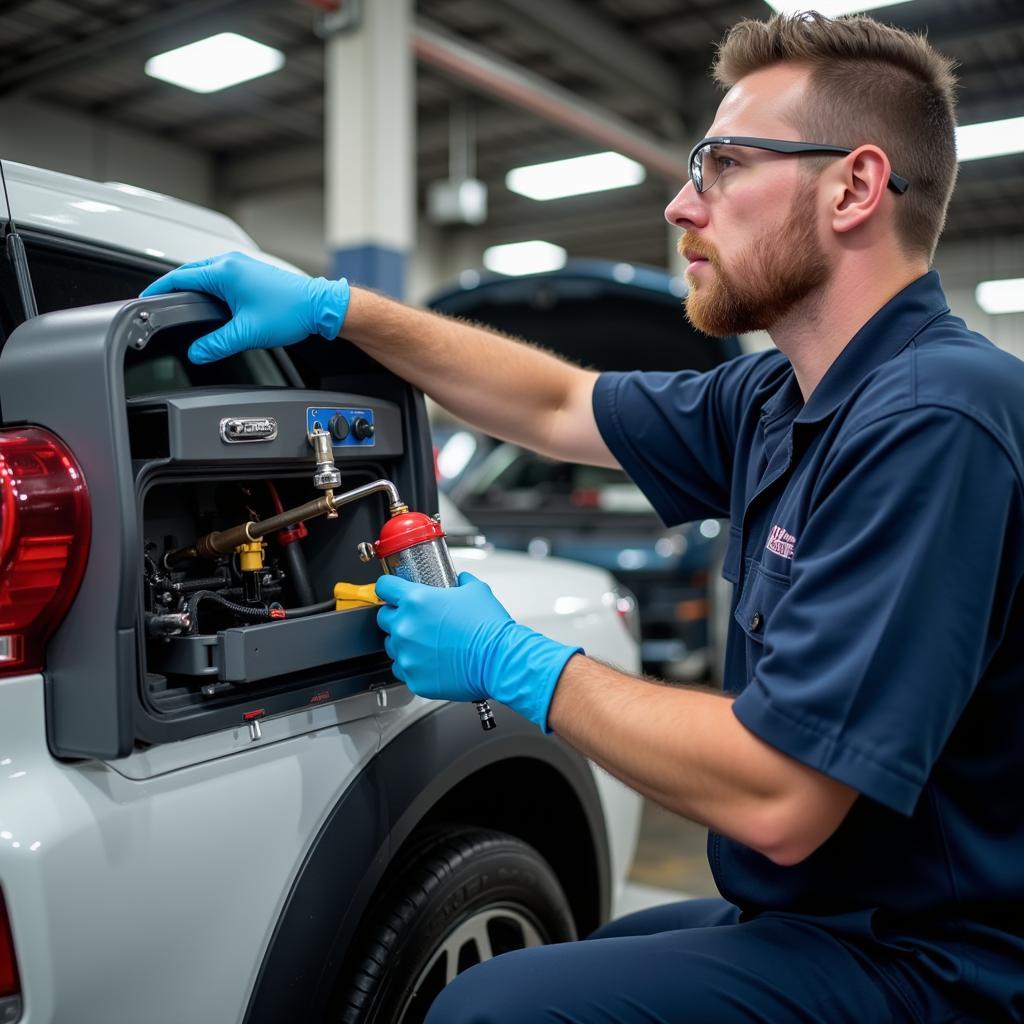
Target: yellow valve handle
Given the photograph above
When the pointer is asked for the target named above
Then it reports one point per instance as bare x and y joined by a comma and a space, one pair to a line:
354, 595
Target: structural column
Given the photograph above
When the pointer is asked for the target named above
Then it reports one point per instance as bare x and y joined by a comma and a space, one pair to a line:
369, 147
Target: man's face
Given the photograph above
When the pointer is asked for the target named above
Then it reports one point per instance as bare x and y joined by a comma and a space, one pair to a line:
751, 240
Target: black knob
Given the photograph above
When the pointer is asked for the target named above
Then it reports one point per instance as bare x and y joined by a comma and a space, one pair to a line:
362, 429
339, 427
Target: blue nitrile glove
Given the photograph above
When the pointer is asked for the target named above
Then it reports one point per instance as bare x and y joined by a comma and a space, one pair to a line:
459, 643
269, 306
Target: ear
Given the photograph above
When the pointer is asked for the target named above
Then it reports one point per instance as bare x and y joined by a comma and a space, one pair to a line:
859, 187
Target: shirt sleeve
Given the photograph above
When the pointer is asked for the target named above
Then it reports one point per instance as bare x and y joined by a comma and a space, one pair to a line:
675, 434
900, 591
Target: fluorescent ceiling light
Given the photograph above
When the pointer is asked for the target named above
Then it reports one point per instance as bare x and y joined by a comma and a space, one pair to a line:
990, 138
524, 257
215, 63
831, 8
1001, 296
576, 176
455, 454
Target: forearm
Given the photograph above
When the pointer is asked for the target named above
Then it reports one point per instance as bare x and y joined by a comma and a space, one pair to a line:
685, 749
505, 387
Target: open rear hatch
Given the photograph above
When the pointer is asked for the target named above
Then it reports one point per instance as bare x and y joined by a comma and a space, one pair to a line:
173, 634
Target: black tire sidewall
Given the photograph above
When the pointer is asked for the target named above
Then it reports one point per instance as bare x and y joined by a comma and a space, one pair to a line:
480, 870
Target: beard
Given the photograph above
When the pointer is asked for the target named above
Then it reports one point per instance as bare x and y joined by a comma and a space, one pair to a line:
772, 275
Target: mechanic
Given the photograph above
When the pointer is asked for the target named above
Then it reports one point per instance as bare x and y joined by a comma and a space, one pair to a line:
861, 774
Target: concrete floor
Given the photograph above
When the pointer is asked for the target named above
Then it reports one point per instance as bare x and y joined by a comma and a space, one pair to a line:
670, 862
671, 853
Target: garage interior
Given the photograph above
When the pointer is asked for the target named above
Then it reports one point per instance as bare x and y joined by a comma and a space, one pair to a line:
75, 97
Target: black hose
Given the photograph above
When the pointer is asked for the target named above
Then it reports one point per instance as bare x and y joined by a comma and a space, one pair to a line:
309, 609
249, 612
296, 559
253, 613
190, 586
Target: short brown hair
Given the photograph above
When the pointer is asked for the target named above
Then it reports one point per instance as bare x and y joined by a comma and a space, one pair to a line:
870, 83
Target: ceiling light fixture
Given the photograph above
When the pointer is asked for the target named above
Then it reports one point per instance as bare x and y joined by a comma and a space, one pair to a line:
518, 258
989, 138
215, 63
1005, 296
832, 8
576, 176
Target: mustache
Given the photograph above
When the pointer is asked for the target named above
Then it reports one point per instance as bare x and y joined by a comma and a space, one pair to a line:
693, 245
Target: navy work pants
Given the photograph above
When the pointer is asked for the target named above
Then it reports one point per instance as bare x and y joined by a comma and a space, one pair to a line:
687, 963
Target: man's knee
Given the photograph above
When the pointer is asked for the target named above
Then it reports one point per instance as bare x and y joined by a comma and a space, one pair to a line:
510, 989
670, 917
477, 996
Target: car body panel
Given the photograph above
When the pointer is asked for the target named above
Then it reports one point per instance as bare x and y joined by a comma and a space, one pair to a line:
418, 769
124, 870
155, 825
125, 217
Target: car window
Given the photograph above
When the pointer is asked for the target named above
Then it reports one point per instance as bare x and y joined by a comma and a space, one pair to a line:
67, 273
511, 474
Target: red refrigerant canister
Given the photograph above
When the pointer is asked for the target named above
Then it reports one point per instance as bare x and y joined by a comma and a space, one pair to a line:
412, 545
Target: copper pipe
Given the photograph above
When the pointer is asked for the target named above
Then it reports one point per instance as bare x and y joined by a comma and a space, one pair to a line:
223, 542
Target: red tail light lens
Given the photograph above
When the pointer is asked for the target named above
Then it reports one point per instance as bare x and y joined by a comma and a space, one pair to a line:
9, 983
44, 542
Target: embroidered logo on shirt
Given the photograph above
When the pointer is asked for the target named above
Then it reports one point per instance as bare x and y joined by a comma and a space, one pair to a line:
780, 542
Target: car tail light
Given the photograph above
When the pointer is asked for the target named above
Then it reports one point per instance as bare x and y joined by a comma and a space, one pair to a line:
44, 542
10, 985
625, 604
585, 497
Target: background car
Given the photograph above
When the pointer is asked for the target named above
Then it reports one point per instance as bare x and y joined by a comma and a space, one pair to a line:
608, 316
526, 502
214, 819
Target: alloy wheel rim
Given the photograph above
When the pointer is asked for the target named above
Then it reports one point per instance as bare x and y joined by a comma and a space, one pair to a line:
480, 937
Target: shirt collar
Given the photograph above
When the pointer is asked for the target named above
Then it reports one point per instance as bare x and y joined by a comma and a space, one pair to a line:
888, 332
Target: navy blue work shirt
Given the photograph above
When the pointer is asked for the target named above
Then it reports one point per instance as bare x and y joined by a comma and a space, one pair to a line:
877, 551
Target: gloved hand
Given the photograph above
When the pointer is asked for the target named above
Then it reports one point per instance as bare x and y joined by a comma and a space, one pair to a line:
269, 306
459, 643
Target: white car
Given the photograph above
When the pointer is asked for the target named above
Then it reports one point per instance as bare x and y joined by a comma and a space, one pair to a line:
224, 808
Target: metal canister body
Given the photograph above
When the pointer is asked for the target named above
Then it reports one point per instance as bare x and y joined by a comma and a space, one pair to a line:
412, 545
428, 562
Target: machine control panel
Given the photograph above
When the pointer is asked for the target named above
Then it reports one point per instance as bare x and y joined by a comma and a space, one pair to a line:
347, 427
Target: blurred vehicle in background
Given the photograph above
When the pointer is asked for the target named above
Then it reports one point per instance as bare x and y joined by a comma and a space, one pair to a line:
608, 316
525, 502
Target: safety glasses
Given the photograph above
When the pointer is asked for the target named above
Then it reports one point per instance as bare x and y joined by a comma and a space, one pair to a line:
707, 161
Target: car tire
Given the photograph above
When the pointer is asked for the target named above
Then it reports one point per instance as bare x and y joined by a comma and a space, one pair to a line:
459, 895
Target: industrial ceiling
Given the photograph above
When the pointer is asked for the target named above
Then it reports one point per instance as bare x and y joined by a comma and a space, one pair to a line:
643, 62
